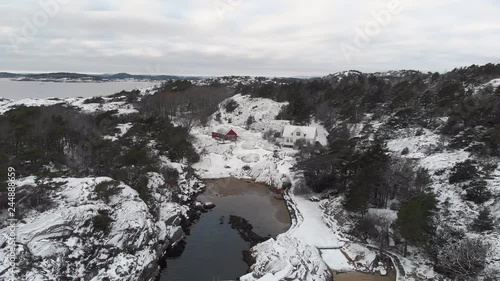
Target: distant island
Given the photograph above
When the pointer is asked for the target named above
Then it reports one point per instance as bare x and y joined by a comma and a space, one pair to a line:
79, 77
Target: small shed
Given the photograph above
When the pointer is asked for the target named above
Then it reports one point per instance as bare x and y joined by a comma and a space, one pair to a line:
231, 136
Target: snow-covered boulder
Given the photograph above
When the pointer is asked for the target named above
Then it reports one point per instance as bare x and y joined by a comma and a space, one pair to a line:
287, 258
250, 158
66, 233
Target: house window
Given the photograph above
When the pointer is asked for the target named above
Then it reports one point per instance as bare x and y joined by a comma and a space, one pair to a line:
298, 134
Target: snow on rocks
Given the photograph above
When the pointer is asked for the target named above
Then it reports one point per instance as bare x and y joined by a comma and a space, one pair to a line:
250, 158
65, 233
287, 258
495, 83
124, 128
417, 143
108, 104
6, 105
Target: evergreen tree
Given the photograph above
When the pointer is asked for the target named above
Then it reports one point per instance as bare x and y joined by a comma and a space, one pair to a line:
358, 196
478, 192
483, 222
368, 173
415, 219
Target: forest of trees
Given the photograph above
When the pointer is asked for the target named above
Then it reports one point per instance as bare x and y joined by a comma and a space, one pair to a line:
367, 176
57, 140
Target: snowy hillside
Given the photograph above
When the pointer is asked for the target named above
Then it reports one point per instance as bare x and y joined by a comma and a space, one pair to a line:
97, 228
309, 249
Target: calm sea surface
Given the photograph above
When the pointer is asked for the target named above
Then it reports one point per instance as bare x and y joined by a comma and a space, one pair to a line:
16, 90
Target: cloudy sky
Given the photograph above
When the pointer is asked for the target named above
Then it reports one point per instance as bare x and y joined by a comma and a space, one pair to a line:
246, 37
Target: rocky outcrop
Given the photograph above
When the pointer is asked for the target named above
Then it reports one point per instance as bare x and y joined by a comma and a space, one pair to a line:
65, 242
286, 258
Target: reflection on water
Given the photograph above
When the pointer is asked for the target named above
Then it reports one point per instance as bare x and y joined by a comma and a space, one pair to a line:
16, 90
214, 250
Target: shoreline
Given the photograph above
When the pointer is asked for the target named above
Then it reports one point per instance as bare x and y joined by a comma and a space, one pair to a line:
241, 224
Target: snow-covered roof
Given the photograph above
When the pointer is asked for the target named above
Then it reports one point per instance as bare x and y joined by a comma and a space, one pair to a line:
309, 132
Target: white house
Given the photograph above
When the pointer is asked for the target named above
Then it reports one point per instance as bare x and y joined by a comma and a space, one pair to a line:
293, 133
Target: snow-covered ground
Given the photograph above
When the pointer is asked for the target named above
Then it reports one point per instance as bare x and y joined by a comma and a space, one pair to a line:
82, 103
461, 213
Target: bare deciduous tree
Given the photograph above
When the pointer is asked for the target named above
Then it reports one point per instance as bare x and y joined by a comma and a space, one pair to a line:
464, 259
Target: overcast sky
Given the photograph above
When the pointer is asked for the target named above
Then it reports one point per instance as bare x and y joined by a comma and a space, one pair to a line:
246, 37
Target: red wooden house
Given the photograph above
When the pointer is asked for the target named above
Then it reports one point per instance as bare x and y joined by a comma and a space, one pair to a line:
231, 136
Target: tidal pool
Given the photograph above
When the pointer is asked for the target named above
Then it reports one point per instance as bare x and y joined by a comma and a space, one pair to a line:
245, 213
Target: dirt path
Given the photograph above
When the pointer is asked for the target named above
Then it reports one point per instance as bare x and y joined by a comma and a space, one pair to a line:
358, 276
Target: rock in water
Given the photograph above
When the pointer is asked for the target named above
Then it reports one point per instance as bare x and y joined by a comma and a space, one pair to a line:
198, 205
209, 205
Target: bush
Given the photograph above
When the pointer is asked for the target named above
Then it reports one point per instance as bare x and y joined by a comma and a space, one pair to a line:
99, 100
300, 143
144, 193
105, 190
478, 192
102, 222
405, 151
366, 228
136, 155
286, 185
231, 106
271, 135
218, 117
483, 222
36, 198
250, 121
422, 179
463, 171
170, 175
463, 260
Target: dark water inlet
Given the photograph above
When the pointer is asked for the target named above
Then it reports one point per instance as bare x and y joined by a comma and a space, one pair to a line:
245, 213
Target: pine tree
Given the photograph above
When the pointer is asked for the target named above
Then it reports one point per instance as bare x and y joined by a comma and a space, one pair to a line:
415, 222
483, 222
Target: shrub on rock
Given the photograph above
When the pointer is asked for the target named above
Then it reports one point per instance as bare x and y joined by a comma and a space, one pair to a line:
463, 171
102, 222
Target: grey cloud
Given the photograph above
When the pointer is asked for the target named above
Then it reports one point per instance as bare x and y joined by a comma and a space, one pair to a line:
254, 37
